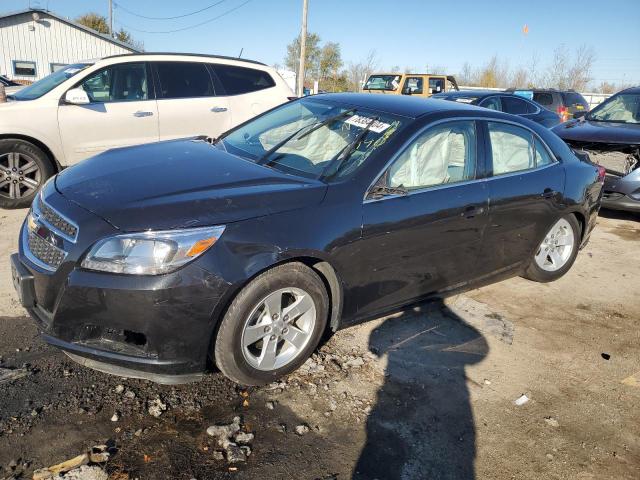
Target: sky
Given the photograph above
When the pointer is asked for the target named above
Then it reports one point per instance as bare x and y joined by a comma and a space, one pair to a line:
405, 33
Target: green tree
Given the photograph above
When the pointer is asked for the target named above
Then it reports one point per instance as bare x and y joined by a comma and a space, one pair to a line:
95, 21
330, 61
312, 56
99, 23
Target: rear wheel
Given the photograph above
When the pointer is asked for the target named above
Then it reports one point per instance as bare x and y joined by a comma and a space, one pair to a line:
273, 325
557, 252
23, 170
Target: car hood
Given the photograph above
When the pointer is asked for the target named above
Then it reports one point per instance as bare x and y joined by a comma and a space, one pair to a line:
585, 131
182, 183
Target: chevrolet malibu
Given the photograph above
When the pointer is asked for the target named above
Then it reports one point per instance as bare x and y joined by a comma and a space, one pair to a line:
159, 261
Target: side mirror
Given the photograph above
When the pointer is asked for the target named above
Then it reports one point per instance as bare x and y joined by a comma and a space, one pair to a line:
580, 114
77, 96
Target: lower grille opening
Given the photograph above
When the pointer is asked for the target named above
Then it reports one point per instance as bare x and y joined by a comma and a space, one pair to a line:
126, 342
135, 338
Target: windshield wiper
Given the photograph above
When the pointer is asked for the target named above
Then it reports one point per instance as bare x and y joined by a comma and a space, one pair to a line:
380, 191
263, 159
340, 157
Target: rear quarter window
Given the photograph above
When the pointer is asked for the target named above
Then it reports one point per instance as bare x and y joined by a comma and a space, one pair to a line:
238, 80
571, 99
543, 98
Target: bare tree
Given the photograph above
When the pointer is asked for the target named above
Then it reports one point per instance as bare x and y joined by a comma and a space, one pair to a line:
357, 73
566, 72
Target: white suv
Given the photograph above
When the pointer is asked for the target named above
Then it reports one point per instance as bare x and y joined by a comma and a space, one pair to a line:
87, 108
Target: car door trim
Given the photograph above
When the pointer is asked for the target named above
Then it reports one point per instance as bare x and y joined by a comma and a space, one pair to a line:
412, 138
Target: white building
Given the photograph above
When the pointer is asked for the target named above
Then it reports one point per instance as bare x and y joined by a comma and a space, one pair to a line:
34, 43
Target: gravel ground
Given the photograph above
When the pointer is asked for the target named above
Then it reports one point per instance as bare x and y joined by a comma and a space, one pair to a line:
427, 393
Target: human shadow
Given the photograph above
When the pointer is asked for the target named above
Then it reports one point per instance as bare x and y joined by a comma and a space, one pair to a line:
422, 424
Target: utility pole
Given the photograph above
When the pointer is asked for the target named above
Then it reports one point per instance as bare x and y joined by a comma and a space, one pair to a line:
303, 48
111, 18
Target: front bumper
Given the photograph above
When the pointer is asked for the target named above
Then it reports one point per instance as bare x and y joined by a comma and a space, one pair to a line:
156, 327
620, 201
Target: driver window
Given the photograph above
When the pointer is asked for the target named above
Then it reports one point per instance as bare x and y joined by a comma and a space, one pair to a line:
126, 82
443, 154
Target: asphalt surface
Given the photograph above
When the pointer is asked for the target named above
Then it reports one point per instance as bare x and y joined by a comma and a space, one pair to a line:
426, 393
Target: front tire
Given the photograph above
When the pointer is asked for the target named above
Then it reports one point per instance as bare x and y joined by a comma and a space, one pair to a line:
557, 251
24, 168
273, 325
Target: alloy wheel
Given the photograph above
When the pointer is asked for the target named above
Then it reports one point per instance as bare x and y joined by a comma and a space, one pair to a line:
20, 175
278, 329
556, 248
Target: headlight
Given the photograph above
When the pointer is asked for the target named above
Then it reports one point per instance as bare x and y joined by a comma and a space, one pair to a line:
150, 253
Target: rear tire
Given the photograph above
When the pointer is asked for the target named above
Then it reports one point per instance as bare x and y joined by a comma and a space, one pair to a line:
273, 325
24, 168
557, 251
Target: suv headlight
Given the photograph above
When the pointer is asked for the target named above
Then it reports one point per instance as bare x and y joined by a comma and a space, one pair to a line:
150, 253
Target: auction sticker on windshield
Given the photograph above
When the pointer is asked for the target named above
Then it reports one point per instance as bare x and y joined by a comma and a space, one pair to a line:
363, 122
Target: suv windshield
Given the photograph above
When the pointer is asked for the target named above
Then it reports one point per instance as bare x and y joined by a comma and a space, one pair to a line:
621, 108
313, 138
382, 82
48, 83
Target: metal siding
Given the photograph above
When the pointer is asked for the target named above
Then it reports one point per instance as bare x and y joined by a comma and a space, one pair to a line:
52, 41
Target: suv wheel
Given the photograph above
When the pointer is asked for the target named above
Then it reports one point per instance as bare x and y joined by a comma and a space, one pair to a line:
23, 170
273, 325
557, 252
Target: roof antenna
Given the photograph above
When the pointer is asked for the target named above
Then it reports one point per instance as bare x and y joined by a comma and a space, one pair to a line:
241, 50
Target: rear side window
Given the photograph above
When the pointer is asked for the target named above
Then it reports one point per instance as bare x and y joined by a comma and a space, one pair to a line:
514, 106
413, 85
184, 80
543, 98
492, 102
436, 85
237, 80
571, 99
515, 149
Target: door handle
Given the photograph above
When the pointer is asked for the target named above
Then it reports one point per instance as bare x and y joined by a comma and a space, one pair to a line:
142, 114
549, 193
218, 109
471, 211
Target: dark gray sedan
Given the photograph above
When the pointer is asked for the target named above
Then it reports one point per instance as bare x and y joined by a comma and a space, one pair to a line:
504, 102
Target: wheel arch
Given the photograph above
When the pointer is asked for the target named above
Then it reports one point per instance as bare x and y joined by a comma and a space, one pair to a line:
42, 146
322, 267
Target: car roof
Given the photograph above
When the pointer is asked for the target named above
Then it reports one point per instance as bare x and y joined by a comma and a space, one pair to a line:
174, 54
471, 93
631, 90
403, 105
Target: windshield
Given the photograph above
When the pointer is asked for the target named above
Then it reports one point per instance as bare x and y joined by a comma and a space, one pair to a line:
622, 108
48, 83
313, 138
382, 82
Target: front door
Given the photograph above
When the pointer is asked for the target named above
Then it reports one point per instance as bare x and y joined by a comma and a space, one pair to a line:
525, 190
428, 239
187, 102
122, 112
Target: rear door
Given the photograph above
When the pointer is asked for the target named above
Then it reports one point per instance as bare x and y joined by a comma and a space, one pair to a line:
526, 185
122, 112
249, 91
428, 240
187, 101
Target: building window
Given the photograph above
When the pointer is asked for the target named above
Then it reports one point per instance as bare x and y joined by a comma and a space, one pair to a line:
24, 68
57, 66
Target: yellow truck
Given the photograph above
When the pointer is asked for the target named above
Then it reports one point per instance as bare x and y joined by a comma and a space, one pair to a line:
418, 84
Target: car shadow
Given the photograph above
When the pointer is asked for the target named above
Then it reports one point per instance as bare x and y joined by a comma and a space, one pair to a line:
422, 425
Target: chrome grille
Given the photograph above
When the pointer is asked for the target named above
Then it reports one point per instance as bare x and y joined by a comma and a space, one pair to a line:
44, 251
55, 220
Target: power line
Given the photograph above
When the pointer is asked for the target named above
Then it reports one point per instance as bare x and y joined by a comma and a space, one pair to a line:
169, 18
189, 27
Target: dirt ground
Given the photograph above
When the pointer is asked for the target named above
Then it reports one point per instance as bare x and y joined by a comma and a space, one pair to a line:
428, 393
